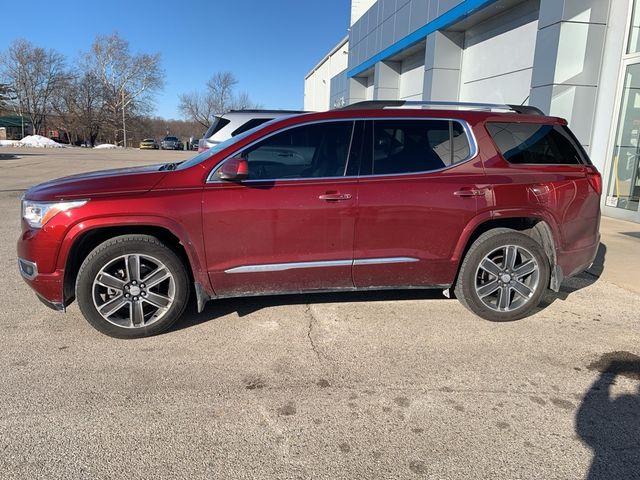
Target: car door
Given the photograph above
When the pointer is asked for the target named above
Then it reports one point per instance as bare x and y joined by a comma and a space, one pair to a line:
422, 186
289, 226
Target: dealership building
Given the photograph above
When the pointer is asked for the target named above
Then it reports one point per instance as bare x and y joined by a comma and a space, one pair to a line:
577, 59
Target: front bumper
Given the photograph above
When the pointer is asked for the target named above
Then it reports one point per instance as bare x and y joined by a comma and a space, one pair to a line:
48, 287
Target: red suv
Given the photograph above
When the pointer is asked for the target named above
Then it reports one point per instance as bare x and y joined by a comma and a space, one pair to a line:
498, 203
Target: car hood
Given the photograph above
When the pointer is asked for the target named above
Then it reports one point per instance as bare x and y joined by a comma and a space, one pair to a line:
120, 181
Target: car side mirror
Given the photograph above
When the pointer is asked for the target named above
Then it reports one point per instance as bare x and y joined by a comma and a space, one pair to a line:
234, 170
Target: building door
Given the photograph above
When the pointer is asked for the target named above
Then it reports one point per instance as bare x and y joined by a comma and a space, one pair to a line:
623, 191
622, 198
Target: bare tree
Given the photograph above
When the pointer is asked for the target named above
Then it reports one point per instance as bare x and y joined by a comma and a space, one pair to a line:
34, 74
6, 95
80, 106
197, 107
218, 98
129, 81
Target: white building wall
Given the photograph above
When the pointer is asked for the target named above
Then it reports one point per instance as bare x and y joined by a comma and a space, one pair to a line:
358, 8
412, 77
498, 56
317, 83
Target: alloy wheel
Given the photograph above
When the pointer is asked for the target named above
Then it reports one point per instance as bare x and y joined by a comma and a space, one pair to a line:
507, 278
133, 291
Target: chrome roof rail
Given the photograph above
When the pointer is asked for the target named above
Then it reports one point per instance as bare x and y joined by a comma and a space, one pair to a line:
382, 104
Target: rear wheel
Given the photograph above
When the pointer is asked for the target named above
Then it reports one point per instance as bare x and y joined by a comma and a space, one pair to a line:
132, 286
503, 276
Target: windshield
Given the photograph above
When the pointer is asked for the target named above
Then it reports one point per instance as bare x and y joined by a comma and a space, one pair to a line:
221, 146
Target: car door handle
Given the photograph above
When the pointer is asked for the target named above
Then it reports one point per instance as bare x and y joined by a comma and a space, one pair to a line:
335, 197
470, 193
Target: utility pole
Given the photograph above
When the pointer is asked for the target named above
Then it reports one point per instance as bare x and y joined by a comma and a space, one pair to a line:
124, 126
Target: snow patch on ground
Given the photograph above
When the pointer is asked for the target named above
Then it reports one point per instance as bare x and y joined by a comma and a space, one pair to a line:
106, 145
37, 141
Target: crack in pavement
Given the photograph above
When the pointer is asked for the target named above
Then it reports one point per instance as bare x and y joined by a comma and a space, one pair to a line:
312, 320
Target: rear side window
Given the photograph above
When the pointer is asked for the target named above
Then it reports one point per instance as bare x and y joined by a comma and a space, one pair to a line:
529, 143
254, 122
408, 146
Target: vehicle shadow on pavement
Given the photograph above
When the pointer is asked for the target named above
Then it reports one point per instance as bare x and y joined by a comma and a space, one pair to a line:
610, 425
580, 281
247, 305
16, 156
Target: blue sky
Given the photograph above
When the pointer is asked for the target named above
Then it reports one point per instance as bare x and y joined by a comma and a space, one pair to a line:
269, 45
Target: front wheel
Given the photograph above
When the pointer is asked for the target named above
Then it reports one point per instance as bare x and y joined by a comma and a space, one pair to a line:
132, 286
503, 276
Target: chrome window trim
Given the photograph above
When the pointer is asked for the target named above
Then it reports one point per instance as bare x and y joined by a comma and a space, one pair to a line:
471, 139
280, 267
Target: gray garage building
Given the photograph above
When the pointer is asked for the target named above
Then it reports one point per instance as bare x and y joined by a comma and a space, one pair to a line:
577, 59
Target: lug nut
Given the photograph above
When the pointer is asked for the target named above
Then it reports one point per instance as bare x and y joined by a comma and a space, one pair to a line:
126, 295
142, 285
135, 299
144, 294
134, 282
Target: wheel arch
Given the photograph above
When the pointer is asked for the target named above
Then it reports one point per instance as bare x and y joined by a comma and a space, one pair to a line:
81, 240
539, 227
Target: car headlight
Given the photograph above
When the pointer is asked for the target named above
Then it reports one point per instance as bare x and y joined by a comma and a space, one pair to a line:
37, 214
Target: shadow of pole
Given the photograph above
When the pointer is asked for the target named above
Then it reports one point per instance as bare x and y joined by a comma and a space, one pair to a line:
611, 426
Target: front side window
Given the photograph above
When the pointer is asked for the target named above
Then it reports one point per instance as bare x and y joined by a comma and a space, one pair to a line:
410, 146
309, 151
532, 143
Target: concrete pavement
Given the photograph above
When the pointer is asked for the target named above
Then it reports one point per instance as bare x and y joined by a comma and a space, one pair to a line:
368, 385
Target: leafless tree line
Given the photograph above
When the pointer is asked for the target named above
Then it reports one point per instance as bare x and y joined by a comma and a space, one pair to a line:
104, 87
105, 92
219, 97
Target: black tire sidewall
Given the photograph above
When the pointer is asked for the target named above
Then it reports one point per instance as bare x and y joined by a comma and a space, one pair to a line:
125, 245
465, 288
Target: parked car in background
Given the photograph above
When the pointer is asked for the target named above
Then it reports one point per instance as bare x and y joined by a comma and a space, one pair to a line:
194, 144
171, 143
498, 203
237, 121
149, 144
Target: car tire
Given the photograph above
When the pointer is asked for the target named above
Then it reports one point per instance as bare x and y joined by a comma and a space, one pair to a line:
503, 276
132, 286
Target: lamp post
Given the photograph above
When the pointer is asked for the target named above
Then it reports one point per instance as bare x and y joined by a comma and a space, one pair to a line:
124, 126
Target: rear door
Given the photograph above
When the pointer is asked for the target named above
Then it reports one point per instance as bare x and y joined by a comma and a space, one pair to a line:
421, 185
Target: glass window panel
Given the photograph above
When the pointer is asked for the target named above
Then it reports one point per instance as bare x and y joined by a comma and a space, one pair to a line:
624, 185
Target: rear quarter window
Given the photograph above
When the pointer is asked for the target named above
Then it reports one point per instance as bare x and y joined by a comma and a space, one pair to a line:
253, 123
218, 124
537, 144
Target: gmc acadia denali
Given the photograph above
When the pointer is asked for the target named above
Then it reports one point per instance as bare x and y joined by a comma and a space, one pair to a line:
497, 203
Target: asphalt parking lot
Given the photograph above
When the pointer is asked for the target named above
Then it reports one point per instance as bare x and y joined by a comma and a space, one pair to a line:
371, 385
